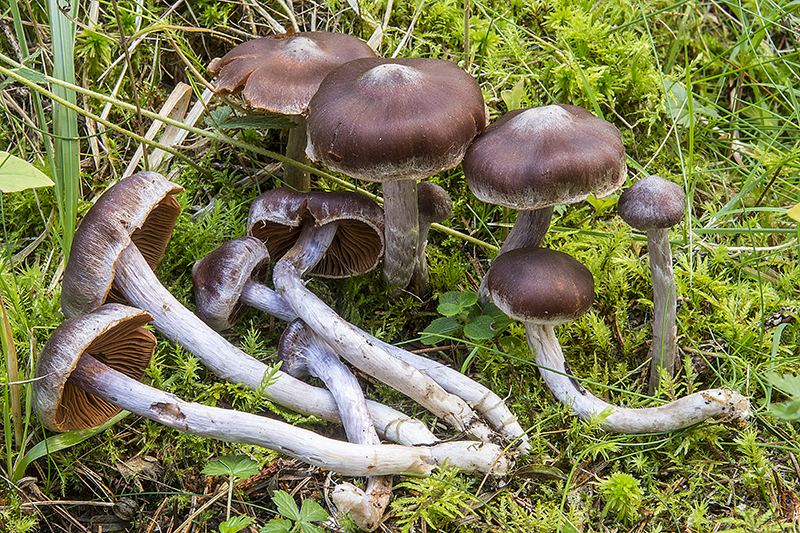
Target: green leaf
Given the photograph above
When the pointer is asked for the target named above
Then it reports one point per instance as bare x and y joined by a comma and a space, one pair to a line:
239, 466
513, 98
794, 212
286, 505
449, 303
439, 329
17, 174
62, 441
467, 299
276, 525
311, 511
307, 527
235, 524
448, 309
501, 320
480, 329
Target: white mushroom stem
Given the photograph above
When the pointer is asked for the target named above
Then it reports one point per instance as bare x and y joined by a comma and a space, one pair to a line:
143, 290
235, 426
366, 507
719, 405
529, 229
354, 347
664, 346
401, 213
480, 397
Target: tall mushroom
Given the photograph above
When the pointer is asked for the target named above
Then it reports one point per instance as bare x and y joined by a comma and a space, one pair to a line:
90, 369
280, 74
534, 159
120, 240
395, 121
230, 278
302, 352
544, 288
330, 229
654, 205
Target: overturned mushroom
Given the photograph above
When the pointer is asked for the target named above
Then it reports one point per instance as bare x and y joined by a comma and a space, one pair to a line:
79, 386
654, 205
303, 351
544, 288
228, 279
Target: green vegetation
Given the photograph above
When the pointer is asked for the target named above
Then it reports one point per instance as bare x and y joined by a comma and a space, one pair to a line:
704, 93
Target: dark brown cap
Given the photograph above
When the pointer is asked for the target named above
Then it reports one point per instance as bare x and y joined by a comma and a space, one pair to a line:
277, 216
140, 208
220, 276
652, 203
435, 204
390, 119
112, 334
540, 285
282, 72
545, 156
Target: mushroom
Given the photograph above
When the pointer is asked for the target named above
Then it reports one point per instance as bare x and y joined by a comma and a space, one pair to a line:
654, 205
229, 278
115, 248
435, 205
303, 352
544, 288
90, 369
280, 74
536, 158
320, 227
395, 121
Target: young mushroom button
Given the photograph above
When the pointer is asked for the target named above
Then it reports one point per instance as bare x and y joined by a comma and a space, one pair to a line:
544, 288
534, 159
280, 74
654, 205
395, 121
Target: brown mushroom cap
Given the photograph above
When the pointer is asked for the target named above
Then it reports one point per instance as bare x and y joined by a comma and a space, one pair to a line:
652, 203
112, 334
277, 216
388, 119
545, 156
281, 73
220, 276
140, 208
435, 205
540, 286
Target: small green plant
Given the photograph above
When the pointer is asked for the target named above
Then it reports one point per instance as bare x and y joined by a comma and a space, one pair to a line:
622, 495
463, 314
435, 500
789, 385
299, 519
233, 466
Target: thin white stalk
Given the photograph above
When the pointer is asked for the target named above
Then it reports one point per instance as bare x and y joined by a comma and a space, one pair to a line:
664, 348
718, 405
401, 212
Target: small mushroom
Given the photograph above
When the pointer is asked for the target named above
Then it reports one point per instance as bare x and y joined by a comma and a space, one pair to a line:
318, 218
280, 74
395, 121
90, 369
534, 159
544, 288
654, 205
229, 278
113, 253
303, 351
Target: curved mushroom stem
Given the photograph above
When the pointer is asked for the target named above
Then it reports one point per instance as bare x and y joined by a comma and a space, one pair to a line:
354, 347
143, 290
529, 229
235, 426
719, 405
664, 348
295, 177
366, 508
401, 212
480, 397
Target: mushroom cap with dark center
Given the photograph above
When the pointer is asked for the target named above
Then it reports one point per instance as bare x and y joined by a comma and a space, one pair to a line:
140, 208
220, 276
281, 73
541, 286
277, 216
652, 203
435, 205
545, 156
112, 334
389, 119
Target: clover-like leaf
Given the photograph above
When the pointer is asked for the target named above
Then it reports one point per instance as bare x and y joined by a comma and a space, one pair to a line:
480, 329
438, 330
286, 505
239, 466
